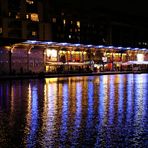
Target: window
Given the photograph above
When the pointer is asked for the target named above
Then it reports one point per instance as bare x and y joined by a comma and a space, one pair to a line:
30, 2
64, 22
17, 16
34, 33
34, 17
54, 20
27, 16
78, 24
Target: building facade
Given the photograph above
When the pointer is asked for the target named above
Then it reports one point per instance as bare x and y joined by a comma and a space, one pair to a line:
57, 21
23, 19
54, 57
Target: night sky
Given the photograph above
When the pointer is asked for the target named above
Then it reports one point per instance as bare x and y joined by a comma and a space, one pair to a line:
137, 8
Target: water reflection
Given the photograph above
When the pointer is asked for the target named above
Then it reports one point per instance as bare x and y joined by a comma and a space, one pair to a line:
93, 111
31, 139
78, 115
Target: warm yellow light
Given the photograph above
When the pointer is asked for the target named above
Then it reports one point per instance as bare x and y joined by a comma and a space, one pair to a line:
50, 80
8, 48
34, 17
104, 59
61, 52
54, 53
34, 33
140, 57
17, 16
64, 21
27, 16
78, 24
48, 52
54, 20
51, 53
69, 36
29, 1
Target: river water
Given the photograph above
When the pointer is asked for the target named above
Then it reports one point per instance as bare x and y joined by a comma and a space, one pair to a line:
87, 111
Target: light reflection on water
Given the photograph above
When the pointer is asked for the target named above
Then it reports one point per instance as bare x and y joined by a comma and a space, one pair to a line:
89, 111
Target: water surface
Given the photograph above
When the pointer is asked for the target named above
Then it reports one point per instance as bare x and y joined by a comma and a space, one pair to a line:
88, 111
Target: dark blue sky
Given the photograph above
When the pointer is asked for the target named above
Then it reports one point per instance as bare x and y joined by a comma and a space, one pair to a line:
137, 7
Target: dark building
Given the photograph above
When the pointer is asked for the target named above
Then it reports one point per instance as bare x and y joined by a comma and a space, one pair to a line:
74, 22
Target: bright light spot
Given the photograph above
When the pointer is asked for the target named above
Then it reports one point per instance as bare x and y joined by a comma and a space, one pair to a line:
140, 57
110, 47
119, 47
143, 49
78, 24
51, 53
29, 2
69, 36
64, 21
104, 59
27, 16
34, 17
89, 45
128, 48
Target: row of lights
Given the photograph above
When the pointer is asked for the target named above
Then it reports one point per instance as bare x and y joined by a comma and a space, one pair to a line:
80, 45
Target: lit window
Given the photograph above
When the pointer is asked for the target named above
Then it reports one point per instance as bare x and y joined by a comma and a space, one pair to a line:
1, 30
34, 33
78, 24
71, 22
9, 13
34, 17
140, 57
29, 1
17, 16
54, 20
52, 53
27, 16
64, 21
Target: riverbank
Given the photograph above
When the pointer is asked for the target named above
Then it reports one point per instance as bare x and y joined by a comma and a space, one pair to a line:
37, 76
